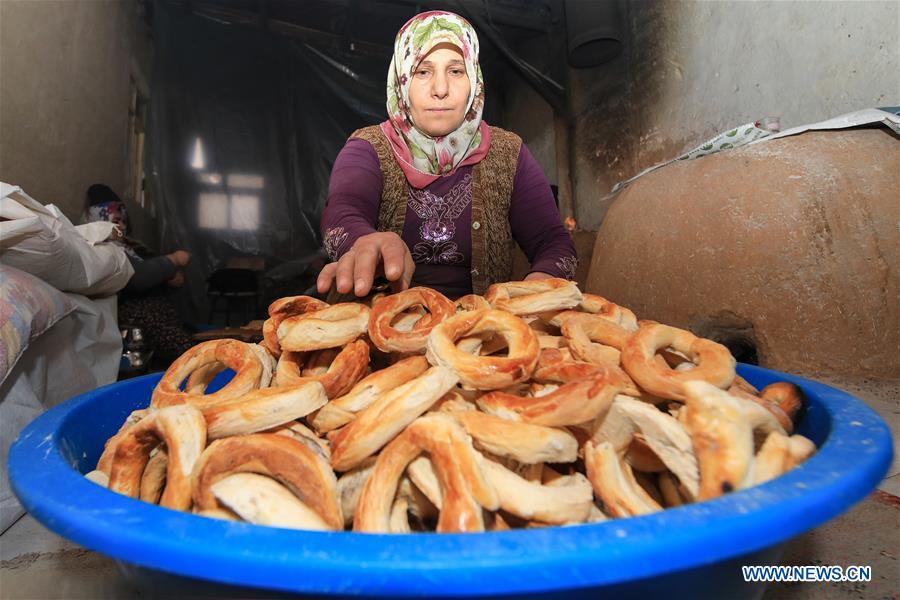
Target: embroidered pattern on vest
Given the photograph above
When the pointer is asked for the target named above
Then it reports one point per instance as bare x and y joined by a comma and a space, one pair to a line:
334, 241
568, 265
438, 228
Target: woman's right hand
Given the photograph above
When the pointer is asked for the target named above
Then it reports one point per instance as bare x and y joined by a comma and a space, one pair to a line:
375, 253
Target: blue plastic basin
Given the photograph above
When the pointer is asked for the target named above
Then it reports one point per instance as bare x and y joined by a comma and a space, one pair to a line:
694, 550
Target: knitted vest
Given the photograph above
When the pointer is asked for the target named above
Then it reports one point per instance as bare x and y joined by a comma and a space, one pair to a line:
492, 184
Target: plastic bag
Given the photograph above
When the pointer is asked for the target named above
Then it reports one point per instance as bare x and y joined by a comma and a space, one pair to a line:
40, 240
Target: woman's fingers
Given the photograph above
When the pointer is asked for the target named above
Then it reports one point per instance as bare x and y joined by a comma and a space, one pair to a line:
364, 268
326, 277
345, 268
394, 252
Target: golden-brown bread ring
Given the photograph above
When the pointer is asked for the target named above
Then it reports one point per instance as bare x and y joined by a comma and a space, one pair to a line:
472, 302
523, 442
329, 327
350, 486
305, 435
464, 488
183, 430
153, 480
715, 365
779, 454
533, 297
552, 367
388, 339
262, 500
772, 407
263, 409
722, 431
771, 460
109, 449
378, 424
485, 372
581, 329
280, 457
614, 482
199, 380
641, 456
664, 434
348, 367
573, 403
787, 396
342, 410
598, 305
236, 355
279, 310
566, 500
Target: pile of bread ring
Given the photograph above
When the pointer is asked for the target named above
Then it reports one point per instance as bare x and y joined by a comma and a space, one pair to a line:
534, 405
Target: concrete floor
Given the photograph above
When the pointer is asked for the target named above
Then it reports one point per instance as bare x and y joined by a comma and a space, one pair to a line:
37, 564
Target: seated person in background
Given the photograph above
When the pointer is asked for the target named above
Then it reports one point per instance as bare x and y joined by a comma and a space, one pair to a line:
433, 195
105, 205
144, 301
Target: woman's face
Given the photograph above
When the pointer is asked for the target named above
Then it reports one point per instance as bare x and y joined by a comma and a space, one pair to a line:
439, 91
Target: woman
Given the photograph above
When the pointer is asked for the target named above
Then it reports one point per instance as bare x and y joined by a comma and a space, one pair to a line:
433, 195
105, 205
144, 302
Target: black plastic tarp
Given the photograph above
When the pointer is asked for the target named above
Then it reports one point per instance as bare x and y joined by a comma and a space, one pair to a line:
243, 130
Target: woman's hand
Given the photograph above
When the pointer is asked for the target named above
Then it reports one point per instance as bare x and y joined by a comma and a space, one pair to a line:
381, 252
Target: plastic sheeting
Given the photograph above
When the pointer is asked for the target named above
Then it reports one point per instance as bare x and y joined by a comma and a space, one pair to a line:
243, 130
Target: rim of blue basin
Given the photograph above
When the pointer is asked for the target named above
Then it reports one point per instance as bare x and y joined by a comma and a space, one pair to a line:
855, 450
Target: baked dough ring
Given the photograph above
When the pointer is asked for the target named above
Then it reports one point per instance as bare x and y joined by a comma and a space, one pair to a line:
614, 482
535, 296
263, 409
664, 434
109, 449
198, 381
600, 306
715, 365
329, 327
262, 500
573, 403
279, 310
342, 410
464, 488
779, 454
523, 442
236, 355
567, 500
471, 302
787, 396
183, 430
485, 372
722, 431
306, 474
388, 339
386, 417
580, 329
348, 367
153, 479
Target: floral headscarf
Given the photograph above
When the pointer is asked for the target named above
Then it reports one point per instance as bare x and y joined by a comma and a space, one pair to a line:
424, 158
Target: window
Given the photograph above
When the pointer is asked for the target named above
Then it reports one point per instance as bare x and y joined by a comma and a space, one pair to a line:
213, 211
235, 206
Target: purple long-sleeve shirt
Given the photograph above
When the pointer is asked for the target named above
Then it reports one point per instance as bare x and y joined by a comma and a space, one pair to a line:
438, 218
